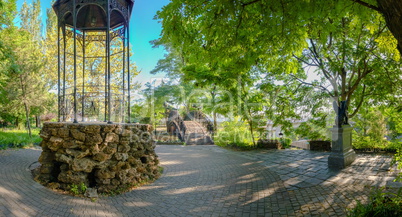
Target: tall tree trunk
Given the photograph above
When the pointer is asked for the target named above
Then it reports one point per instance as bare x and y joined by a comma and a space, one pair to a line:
27, 116
37, 120
25, 106
215, 123
213, 94
250, 123
392, 12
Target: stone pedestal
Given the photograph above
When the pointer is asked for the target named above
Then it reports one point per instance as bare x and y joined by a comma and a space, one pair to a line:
342, 153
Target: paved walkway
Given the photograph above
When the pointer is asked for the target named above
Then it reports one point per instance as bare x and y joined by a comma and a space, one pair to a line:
208, 181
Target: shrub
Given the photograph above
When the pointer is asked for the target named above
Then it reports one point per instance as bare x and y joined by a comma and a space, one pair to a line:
234, 134
145, 120
313, 130
371, 128
286, 142
380, 204
269, 143
367, 142
398, 160
78, 189
319, 145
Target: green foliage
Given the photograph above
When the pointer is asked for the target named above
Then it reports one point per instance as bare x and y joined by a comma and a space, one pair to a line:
360, 76
24, 84
8, 12
74, 189
14, 138
380, 204
234, 134
371, 130
393, 116
78, 189
398, 160
344, 43
313, 130
83, 187
286, 142
145, 120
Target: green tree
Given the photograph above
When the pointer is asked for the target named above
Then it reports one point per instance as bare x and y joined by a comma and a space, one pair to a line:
348, 59
232, 38
8, 12
371, 125
31, 19
24, 86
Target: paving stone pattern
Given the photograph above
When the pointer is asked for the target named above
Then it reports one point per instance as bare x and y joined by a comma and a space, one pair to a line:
208, 181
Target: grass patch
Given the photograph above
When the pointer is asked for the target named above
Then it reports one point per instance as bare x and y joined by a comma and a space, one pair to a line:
15, 138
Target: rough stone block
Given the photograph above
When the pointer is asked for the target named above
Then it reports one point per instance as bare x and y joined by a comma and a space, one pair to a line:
72, 177
105, 174
121, 156
78, 154
54, 143
63, 132
91, 129
63, 158
112, 137
46, 157
93, 139
101, 157
46, 168
45, 135
123, 148
109, 128
83, 164
78, 135
70, 144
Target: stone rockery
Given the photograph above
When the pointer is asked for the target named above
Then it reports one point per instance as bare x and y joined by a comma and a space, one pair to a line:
104, 156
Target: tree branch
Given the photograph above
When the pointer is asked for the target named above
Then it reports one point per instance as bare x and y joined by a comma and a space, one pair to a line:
365, 4
360, 103
319, 61
310, 84
249, 3
304, 61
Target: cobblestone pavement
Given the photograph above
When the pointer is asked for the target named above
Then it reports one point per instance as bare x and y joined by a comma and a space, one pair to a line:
208, 181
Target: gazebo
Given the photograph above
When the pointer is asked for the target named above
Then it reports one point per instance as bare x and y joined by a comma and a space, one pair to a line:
102, 151
86, 28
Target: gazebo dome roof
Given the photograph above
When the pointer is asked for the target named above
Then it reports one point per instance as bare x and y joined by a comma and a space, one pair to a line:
91, 14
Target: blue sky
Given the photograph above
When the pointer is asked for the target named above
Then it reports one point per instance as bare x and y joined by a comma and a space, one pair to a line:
142, 30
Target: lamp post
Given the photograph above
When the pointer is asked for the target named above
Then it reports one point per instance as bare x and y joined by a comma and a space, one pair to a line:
280, 138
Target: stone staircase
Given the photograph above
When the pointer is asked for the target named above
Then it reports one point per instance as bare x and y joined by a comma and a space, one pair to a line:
196, 134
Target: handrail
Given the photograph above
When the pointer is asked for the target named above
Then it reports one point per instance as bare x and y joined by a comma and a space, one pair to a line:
173, 118
201, 118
